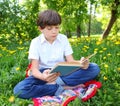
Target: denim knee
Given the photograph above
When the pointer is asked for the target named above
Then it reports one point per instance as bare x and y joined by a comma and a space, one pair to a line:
95, 68
18, 91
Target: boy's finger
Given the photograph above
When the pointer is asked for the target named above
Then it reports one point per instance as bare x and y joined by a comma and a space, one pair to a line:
53, 75
52, 78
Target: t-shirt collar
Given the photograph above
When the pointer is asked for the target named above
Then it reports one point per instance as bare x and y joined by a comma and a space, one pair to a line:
42, 38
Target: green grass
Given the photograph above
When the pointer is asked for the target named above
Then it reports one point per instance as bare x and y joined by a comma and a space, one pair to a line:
13, 62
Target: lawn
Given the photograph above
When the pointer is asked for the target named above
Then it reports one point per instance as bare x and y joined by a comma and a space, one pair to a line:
13, 62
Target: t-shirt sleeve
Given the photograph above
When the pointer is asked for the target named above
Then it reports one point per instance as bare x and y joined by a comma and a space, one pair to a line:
68, 48
33, 51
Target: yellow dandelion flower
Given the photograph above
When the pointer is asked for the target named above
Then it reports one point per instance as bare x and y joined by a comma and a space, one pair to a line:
104, 58
96, 49
20, 42
118, 54
12, 99
88, 39
104, 49
105, 78
12, 51
109, 54
20, 48
0, 46
98, 42
117, 42
4, 48
105, 65
118, 69
0, 55
100, 51
86, 47
18, 68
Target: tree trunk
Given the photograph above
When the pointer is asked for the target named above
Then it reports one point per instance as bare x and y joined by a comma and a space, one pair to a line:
78, 31
111, 22
89, 23
68, 33
113, 18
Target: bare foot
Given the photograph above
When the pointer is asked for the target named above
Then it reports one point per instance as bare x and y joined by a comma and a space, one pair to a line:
51, 82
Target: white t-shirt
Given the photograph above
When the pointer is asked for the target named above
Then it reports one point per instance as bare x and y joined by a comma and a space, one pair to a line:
49, 54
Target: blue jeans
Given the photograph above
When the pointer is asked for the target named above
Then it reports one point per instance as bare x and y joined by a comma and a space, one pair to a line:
32, 87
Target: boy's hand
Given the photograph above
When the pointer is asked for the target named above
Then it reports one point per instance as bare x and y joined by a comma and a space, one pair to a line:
50, 77
84, 63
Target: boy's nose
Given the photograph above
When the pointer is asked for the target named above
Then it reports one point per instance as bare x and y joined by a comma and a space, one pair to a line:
54, 30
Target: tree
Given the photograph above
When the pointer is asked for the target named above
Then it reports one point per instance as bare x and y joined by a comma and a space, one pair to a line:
115, 12
18, 21
72, 11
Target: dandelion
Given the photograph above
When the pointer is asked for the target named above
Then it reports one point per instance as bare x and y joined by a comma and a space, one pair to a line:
86, 47
20, 48
104, 58
12, 51
0, 55
118, 69
12, 99
118, 54
99, 42
18, 68
88, 39
100, 51
4, 48
109, 54
0, 46
105, 65
20, 42
104, 49
117, 42
95, 50
105, 78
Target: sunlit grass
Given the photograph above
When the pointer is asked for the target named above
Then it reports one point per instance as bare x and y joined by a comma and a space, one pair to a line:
13, 62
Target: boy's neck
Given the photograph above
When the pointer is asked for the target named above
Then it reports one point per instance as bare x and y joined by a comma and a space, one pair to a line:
50, 41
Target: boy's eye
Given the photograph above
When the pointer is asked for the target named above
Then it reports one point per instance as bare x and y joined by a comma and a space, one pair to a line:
49, 27
57, 27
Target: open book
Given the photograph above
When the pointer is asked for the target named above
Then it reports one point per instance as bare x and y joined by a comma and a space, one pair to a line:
66, 68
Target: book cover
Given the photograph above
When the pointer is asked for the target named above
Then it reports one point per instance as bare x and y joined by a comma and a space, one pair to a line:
66, 68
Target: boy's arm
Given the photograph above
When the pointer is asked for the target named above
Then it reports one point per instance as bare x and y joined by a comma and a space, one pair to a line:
35, 69
45, 76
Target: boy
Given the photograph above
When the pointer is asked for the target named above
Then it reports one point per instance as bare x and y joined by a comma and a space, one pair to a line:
45, 51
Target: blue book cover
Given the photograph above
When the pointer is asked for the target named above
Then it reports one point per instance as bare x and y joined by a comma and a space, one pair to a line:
66, 68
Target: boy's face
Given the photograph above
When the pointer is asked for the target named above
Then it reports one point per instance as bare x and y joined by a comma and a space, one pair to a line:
50, 32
